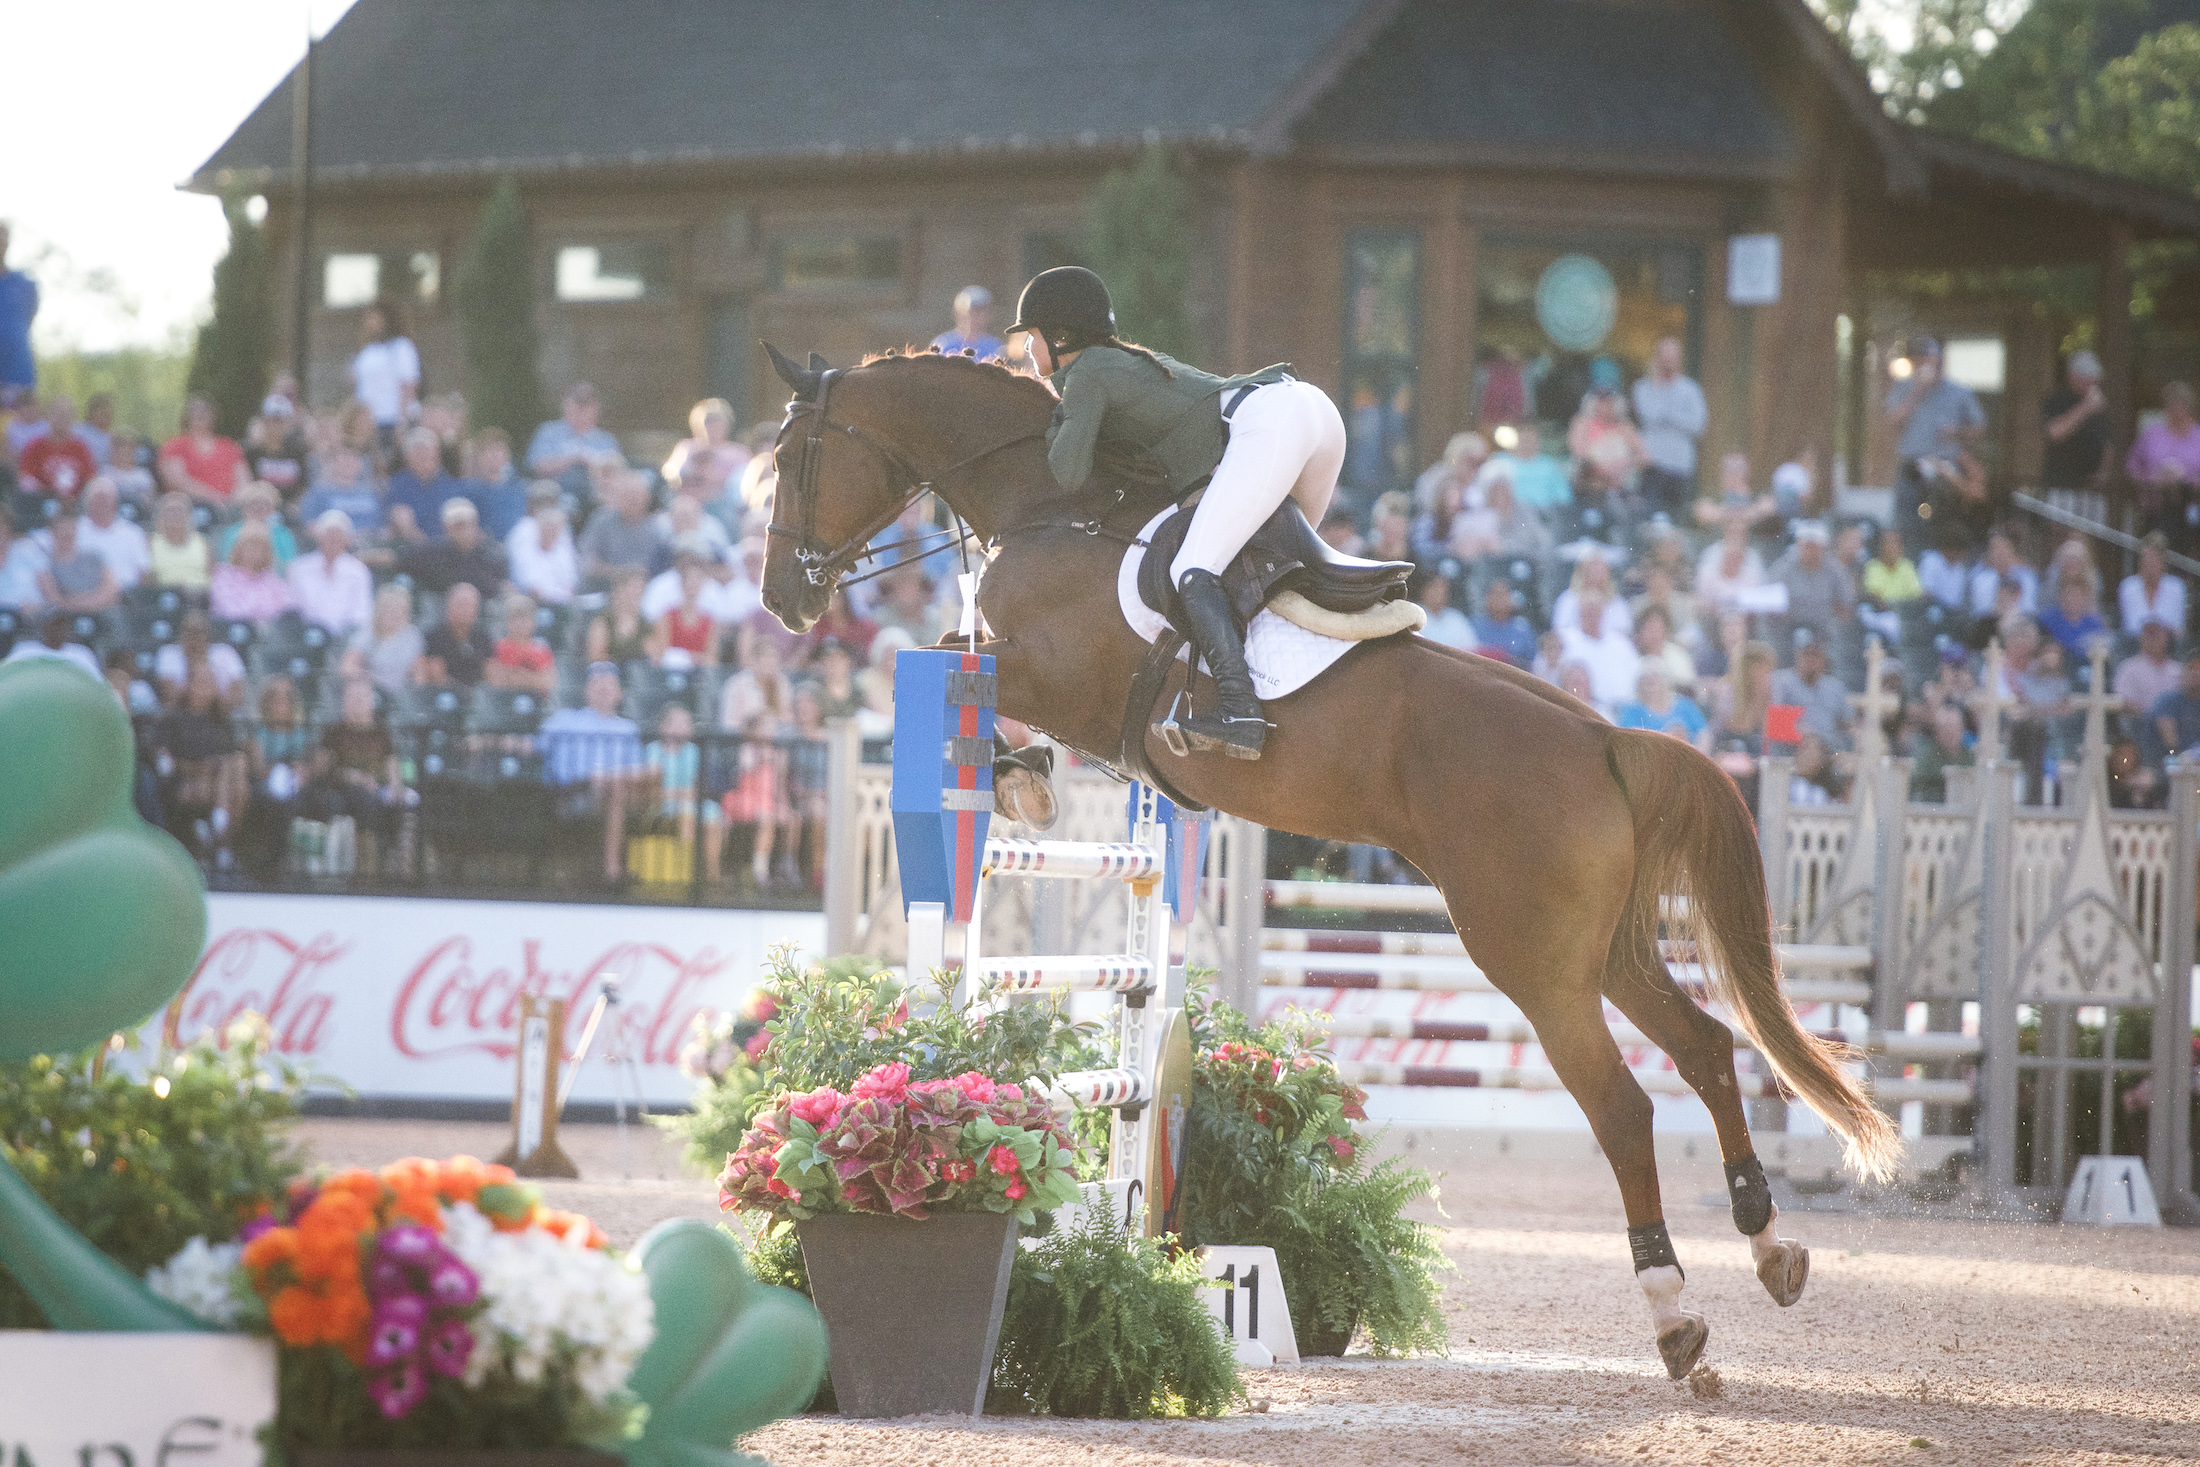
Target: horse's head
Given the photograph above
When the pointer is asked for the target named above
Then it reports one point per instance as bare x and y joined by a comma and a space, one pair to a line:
816, 536
859, 444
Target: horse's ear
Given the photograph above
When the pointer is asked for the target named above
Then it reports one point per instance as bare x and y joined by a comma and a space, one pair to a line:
804, 382
819, 365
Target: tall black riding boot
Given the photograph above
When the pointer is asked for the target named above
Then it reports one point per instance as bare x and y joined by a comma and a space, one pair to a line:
1235, 727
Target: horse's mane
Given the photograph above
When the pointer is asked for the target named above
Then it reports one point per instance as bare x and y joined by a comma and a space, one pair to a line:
992, 373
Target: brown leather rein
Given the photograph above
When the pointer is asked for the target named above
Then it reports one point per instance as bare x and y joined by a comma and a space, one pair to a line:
822, 565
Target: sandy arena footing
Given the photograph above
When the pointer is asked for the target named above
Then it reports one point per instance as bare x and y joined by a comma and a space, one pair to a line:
1919, 1340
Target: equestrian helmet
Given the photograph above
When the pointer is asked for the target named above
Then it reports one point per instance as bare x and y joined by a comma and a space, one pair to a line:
1067, 306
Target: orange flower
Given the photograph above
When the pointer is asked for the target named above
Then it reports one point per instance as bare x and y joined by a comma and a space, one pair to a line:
569, 1225
276, 1245
520, 1224
413, 1174
295, 1314
345, 1315
327, 1256
420, 1205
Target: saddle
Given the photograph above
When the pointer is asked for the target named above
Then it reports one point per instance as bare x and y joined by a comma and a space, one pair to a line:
1284, 555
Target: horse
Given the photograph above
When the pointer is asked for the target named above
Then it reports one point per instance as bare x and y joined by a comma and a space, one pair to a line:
1552, 835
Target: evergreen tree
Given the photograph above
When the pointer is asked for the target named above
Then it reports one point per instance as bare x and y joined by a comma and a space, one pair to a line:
1138, 236
496, 311
229, 363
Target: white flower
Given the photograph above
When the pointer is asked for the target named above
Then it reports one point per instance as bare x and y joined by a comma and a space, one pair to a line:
202, 1278
551, 1299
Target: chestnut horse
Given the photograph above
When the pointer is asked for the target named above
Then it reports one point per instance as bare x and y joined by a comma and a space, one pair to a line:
1551, 834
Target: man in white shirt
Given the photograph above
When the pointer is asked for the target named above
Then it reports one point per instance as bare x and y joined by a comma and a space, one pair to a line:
728, 595
1608, 652
332, 586
2001, 561
540, 550
53, 641
1669, 408
103, 531
2151, 593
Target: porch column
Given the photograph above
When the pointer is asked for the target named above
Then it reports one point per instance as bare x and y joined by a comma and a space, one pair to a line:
1994, 1135
2169, 1138
2112, 333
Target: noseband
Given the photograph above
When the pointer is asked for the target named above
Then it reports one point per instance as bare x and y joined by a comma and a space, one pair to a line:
822, 565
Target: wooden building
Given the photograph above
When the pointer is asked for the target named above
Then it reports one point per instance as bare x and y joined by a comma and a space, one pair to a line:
1430, 206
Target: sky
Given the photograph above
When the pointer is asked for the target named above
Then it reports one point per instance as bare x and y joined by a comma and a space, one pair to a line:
121, 256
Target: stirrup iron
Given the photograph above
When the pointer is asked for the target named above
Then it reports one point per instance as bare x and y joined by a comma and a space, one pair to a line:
1171, 731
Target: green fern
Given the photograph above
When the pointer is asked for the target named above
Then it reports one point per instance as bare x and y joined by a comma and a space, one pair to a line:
1100, 1324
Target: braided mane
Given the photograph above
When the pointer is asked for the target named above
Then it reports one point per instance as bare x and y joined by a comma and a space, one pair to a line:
931, 361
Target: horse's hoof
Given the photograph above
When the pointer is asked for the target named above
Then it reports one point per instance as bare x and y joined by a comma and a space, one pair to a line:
1025, 797
1783, 1272
1682, 1344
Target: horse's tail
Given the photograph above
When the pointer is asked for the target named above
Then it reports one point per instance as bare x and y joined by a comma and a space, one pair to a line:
1694, 840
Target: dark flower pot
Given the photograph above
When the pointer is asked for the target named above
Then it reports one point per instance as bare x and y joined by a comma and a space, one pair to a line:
912, 1309
1323, 1341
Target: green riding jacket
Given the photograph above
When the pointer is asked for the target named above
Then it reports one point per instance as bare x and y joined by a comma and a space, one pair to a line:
1118, 404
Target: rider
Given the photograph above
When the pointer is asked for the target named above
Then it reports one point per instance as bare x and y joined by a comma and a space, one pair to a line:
1253, 439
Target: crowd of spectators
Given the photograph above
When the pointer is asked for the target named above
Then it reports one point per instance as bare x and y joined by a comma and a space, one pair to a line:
1739, 620
339, 615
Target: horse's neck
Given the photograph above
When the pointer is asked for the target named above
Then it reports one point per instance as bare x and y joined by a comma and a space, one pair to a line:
1007, 491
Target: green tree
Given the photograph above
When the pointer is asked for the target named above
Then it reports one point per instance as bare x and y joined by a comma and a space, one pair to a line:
2140, 114
496, 312
230, 361
1138, 236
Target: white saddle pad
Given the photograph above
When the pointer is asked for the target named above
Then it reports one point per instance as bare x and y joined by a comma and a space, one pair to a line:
1283, 657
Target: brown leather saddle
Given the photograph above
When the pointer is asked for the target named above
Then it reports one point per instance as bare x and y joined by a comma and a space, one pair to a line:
1284, 555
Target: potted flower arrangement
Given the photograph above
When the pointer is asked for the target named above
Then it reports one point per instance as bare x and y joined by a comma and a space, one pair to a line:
906, 1196
428, 1306
1272, 1157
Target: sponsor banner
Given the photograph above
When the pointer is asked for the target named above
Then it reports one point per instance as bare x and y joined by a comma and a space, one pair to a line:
418, 998
121, 1399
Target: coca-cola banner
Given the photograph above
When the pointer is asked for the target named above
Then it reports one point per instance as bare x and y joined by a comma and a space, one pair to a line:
418, 998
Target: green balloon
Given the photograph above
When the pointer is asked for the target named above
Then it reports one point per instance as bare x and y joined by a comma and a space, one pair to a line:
101, 920
104, 915
730, 1355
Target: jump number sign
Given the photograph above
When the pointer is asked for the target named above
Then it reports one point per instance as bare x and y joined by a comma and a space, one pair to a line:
1250, 1304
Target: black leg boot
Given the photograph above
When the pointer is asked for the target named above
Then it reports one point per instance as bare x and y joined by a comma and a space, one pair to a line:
1235, 727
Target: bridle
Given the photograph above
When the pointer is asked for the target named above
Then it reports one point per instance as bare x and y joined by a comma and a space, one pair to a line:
822, 565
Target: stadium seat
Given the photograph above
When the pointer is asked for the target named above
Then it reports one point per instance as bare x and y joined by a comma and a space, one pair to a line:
434, 708
506, 710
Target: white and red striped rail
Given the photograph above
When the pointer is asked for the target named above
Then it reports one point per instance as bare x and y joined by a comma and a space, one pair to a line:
1437, 963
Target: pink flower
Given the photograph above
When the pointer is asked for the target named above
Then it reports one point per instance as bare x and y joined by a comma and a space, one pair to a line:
820, 1107
394, 1332
1016, 1189
454, 1285
1002, 1160
780, 1189
398, 1389
757, 1044
1342, 1146
409, 1243
887, 1082
450, 1347
762, 1006
1008, 1092
974, 1085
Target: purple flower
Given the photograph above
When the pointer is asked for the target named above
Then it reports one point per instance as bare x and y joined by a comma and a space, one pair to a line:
394, 1332
398, 1389
388, 1279
450, 1347
453, 1285
410, 1243
257, 1226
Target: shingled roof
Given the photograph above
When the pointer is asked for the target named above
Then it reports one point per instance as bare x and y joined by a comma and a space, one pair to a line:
1570, 82
417, 87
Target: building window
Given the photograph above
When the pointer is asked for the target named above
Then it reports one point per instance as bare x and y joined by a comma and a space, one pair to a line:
832, 262
1545, 311
355, 279
1382, 319
613, 270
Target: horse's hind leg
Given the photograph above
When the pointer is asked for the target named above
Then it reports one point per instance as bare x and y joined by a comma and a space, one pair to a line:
1572, 1032
1702, 1049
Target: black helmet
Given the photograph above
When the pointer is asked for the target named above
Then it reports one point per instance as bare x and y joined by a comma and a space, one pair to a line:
1068, 306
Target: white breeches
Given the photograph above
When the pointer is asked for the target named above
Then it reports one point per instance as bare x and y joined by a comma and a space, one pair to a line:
1286, 439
